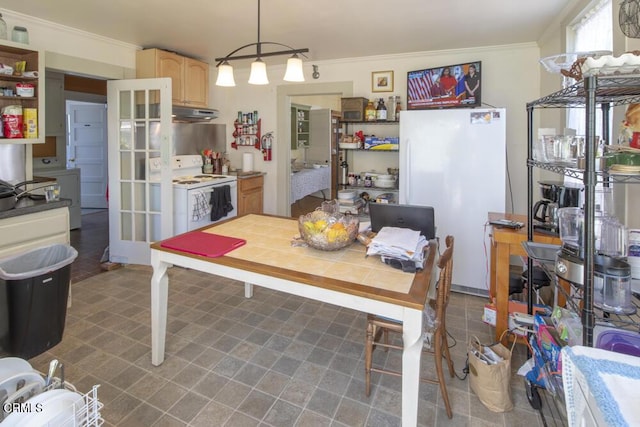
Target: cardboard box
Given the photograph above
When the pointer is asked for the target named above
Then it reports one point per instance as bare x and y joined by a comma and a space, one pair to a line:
373, 143
353, 109
30, 123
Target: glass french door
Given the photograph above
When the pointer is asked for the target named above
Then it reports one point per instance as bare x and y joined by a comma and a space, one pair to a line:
140, 211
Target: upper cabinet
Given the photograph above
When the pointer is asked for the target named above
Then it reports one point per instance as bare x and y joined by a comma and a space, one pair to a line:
55, 105
300, 126
189, 77
24, 89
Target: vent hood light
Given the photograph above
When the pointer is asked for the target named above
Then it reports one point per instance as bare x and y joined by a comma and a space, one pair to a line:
195, 113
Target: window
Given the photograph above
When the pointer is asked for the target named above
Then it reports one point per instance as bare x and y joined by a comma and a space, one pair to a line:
593, 31
590, 33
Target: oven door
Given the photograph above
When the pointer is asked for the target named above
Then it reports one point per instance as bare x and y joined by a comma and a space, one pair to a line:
192, 208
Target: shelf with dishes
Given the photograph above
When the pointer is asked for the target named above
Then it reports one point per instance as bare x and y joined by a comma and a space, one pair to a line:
610, 175
594, 273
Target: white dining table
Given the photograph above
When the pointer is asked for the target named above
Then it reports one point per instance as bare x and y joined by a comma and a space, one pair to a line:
344, 278
309, 181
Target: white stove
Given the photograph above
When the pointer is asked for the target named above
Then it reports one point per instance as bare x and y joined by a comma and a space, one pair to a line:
198, 199
202, 180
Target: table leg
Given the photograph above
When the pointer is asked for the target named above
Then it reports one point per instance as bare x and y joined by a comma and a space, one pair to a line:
159, 296
502, 288
492, 270
411, 352
248, 290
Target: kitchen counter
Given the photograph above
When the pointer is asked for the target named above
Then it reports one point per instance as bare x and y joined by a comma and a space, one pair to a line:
245, 175
28, 206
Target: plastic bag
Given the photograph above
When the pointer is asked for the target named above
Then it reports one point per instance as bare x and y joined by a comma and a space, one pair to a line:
431, 323
36, 262
12, 121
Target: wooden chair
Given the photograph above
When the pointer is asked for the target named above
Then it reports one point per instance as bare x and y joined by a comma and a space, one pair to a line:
378, 329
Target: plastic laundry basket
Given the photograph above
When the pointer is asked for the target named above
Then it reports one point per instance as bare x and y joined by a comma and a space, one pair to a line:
34, 287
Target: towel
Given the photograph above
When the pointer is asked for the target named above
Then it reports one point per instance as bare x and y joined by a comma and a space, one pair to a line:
610, 380
399, 243
220, 202
200, 206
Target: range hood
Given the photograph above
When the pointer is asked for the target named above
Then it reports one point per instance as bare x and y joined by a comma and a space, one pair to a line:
194, 114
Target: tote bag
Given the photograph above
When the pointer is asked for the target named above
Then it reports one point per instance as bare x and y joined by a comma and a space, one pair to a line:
491, 382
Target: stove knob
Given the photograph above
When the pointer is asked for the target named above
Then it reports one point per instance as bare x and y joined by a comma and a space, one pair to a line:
561, 268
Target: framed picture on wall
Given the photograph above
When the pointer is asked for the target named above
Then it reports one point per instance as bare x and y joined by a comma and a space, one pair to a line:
382, 81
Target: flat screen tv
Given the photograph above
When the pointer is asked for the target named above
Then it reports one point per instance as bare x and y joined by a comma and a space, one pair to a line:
453, 86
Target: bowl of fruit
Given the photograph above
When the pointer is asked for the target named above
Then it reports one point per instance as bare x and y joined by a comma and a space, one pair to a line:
328, 231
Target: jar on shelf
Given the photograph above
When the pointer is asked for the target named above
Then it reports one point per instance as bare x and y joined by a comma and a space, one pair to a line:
381, 111
370, 112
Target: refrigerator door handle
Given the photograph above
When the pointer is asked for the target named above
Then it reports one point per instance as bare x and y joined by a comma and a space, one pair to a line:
407, 174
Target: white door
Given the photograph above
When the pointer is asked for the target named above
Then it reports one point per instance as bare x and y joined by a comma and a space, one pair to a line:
136, 218
319, 136
87, 150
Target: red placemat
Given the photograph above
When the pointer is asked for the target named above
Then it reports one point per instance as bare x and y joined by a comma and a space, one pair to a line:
204, 244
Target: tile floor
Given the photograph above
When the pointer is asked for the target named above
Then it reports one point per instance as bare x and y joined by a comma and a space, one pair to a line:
273, 360
90, 240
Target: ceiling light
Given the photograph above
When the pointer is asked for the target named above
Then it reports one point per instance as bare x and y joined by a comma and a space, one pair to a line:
258, 74
294, 70
225, 75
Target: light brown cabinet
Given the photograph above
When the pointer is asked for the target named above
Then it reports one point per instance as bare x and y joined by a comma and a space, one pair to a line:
250, 195
189, 77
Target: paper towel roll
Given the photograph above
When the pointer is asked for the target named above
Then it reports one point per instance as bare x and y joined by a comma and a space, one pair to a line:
247, 162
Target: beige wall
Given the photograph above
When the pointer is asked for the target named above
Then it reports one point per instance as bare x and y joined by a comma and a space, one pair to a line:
69, 49
510, 78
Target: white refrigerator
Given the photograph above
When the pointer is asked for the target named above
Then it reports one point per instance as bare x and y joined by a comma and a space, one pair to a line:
455, 161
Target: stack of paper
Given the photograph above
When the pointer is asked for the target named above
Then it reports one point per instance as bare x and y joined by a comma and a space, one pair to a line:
400, 243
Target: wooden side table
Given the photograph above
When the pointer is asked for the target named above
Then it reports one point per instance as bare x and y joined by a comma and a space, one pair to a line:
507, 242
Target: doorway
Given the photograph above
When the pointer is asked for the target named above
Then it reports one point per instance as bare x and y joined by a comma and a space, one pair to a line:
87, 150
319, 111
286, 94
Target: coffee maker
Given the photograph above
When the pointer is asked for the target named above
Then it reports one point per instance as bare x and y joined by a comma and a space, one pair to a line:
555, 195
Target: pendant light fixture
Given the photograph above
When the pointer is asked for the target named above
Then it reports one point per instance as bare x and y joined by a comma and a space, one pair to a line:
258, 74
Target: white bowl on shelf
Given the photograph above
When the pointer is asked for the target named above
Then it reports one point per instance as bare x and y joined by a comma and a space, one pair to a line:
348, 145
347, 194
385, 183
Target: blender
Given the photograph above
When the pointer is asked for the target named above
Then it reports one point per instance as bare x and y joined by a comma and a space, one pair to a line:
612, 274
